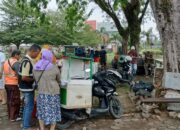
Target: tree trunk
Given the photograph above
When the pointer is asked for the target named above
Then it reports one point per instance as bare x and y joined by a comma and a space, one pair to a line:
125, 39
18, 45
167, 15
134, 15
135, 31
134, 23
125, 46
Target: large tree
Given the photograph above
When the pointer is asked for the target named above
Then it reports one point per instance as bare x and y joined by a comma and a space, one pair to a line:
133, 10
167, 15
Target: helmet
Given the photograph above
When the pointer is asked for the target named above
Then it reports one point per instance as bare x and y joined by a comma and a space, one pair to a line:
128, 58
133, 48
122, 59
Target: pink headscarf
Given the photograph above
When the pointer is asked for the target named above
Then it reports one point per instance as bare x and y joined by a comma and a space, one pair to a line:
45, 62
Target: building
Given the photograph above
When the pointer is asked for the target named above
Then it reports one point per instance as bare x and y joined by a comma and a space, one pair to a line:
106, 27
92, 24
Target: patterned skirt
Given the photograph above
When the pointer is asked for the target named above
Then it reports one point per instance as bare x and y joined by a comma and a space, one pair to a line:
48, 108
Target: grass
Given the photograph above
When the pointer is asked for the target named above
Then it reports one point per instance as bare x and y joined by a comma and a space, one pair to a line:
110, 56
157, 52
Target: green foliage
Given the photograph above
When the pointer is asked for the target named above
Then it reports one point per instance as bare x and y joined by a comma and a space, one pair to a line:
87, 37
155, 51
116, 37
122, 3
110, 57
24, 25
74, 13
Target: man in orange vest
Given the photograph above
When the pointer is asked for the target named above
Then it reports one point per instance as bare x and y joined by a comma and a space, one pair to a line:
11, 67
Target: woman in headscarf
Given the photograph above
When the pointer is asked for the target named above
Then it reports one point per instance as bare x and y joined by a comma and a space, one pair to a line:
48, 99
44, 47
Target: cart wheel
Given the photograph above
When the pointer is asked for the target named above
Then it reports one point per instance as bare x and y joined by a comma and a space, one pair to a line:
115, 108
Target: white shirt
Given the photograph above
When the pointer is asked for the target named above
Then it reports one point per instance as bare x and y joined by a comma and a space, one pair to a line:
2, 59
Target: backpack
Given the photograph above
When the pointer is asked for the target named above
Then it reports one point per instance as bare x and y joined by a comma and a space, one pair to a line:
142, 86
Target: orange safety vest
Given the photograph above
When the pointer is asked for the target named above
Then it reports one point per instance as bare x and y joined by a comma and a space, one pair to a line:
11, 78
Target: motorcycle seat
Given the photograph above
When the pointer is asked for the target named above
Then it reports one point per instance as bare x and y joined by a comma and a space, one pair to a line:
98, 91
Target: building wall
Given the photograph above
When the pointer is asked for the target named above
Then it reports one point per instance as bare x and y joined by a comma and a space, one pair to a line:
92, 24
108, 26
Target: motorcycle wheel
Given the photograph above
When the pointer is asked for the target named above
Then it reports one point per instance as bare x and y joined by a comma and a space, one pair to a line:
64, 124
115, 108
130, 78
126, 76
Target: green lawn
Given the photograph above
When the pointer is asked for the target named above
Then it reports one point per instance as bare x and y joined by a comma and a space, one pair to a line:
110, 56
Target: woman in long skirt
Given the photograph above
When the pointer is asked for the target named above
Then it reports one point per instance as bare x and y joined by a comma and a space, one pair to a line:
48, 99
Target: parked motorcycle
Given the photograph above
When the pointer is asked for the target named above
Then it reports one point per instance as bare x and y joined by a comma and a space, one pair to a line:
123, 74
125, 67
103, 89
117, 77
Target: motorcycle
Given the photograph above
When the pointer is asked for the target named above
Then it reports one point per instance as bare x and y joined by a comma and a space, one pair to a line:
125, 67
123, 74
103, 89
117, 77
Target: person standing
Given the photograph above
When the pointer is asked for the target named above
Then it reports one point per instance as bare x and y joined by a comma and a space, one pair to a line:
91, 55
2, 90
148, 63
134, 55
115, 61
96, 55
103, 58
11, 67
60, 62
26, 81
48, 99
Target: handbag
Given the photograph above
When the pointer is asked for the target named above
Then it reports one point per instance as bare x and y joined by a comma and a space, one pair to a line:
35, 84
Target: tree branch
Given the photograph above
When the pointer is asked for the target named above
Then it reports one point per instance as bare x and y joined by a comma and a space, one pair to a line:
109, 5
144, 11
105, 7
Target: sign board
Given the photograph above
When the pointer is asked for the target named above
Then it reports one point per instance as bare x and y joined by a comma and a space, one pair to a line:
172, 80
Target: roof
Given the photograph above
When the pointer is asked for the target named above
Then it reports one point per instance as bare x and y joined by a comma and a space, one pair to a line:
80, 58
92, 24
108, 26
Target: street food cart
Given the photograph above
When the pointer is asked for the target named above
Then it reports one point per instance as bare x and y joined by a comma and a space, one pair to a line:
76, 82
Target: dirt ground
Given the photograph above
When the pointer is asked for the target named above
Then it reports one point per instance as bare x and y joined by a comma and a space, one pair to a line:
131, 120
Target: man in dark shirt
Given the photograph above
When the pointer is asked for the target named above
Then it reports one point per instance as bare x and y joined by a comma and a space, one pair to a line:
96, 55
26, 84
103, 57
